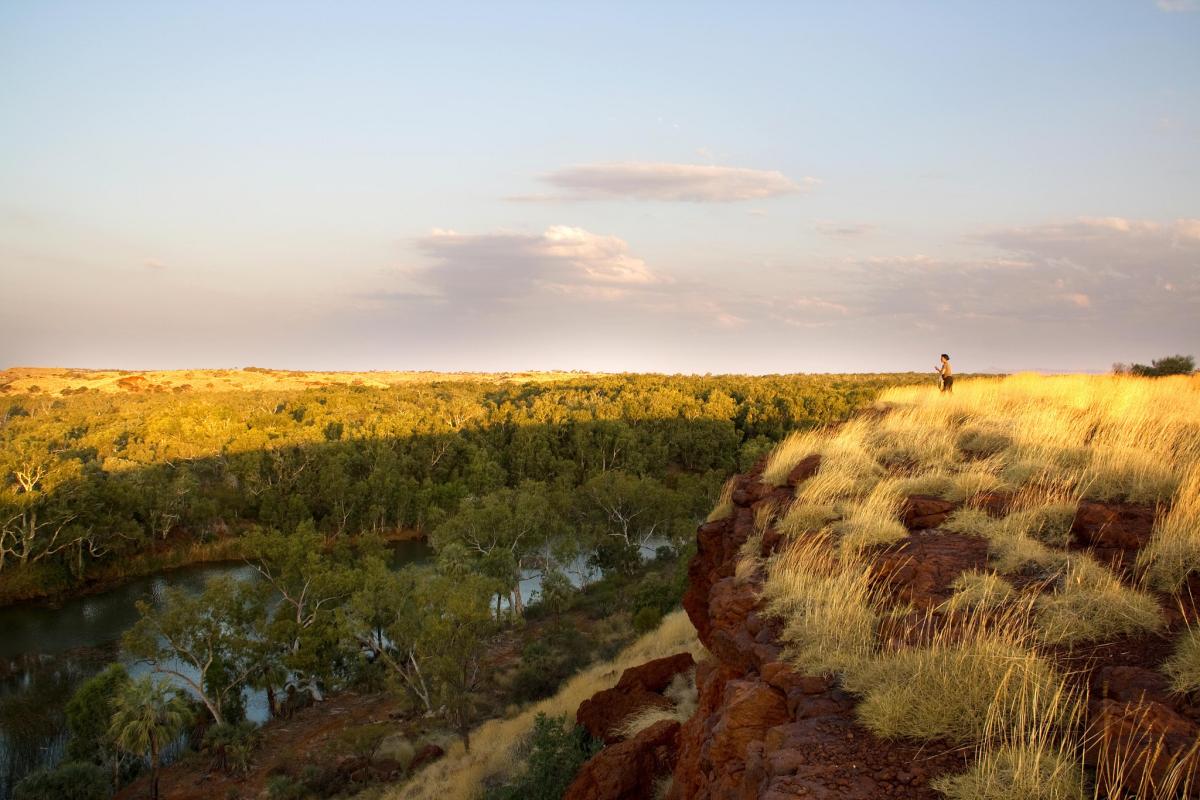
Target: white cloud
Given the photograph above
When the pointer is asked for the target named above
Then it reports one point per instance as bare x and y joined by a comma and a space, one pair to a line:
699, 183
1176, 6
482, 269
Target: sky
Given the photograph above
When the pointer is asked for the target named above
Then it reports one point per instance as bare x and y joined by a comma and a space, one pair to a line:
672, 186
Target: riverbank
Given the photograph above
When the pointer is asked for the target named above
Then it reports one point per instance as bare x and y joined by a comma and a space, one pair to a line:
45, 585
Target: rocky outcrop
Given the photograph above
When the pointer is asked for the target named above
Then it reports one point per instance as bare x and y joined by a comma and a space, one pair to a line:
763, 730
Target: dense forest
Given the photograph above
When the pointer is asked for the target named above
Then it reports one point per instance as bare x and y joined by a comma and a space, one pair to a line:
499, 475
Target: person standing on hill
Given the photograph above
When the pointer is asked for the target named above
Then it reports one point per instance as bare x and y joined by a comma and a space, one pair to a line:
946, 372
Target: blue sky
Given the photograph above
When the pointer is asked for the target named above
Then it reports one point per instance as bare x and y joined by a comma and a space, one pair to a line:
681, 187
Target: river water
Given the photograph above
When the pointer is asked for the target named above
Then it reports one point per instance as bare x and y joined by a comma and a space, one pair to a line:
46, 652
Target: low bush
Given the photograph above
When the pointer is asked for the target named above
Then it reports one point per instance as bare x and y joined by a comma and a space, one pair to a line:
556, 751
231, 745
73, 780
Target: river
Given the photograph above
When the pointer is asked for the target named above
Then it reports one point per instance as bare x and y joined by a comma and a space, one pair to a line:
46, 652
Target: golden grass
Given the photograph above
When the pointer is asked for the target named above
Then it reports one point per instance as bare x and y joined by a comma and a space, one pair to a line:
460, 775
1089, 603
790, 452
979, 590
985, 669
724, 507
982, 671
825, 600
1030, 752
1183, 667
1173, 552
1113, 437
872, 520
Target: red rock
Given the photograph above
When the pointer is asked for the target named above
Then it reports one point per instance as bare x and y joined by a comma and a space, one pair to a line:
1119, 525
428, 753
604, 711
921, 570
1143, 748
805, 469
656, 675
628, 770
1132, 684
922, 512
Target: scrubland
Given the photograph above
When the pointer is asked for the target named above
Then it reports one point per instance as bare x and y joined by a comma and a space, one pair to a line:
991, 669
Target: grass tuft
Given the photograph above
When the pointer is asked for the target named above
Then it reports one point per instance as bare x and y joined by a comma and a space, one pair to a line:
1089, 603
1173, 552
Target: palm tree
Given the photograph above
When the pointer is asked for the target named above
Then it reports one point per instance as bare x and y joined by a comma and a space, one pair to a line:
148, 715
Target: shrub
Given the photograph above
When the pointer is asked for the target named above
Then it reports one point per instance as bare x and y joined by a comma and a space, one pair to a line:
556, 752
232, 745
1168, 365
70, 781
646, 619
547, 661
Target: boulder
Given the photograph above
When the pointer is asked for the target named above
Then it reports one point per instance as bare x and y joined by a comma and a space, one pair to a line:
628, 770
1143, 749
656, 675
604, 711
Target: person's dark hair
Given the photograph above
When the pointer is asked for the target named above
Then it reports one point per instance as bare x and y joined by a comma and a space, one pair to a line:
945, 356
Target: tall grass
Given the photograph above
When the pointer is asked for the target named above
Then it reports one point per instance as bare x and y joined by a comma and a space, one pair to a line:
826, 601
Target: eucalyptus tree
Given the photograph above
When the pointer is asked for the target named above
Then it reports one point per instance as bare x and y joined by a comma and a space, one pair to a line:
206, 642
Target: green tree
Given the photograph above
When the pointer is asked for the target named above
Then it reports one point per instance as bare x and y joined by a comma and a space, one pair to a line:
505, 533
89, 715
310, 582
1169, 365
147, 717
206, 641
